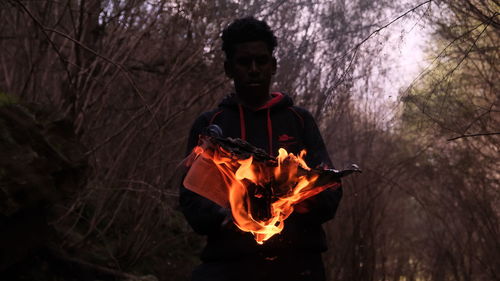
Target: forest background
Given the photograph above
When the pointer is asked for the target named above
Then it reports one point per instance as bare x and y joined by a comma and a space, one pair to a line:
131, 76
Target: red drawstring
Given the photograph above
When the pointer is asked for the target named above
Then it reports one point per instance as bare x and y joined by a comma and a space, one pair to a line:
242, 123
269, 127
270, 131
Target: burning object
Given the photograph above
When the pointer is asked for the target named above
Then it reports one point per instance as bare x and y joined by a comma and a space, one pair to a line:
261, 191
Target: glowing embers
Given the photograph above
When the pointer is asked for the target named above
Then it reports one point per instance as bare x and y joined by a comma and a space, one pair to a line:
260, 191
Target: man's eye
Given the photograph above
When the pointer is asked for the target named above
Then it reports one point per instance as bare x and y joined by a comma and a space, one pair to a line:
262, 60
244, 61
248, 61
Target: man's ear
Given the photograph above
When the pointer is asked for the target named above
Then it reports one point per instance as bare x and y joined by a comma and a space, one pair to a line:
228, 69
275, 65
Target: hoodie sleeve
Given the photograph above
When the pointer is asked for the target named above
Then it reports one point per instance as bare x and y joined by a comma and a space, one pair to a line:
323, 206
203, 215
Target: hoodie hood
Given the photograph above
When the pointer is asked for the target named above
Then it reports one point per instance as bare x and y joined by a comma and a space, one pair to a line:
278, 100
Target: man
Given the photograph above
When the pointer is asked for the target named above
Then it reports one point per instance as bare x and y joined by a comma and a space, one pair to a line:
268, 121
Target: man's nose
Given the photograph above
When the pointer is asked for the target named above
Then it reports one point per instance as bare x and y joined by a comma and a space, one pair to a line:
253, 67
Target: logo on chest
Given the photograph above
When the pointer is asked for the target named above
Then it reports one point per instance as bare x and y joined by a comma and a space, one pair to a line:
287, 142
286, 138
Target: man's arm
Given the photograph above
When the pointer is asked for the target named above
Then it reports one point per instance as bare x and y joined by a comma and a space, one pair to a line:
202, 214
323, 206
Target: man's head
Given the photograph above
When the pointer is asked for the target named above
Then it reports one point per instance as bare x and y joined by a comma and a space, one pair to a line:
249, 45
247, 30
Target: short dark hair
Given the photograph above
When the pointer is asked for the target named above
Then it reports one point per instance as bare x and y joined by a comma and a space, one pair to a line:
247, 29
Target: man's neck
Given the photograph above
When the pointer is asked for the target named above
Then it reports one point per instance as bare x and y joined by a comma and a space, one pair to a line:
253, 102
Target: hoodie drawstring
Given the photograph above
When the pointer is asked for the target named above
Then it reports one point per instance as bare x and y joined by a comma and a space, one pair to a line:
269, 128
242, 123
270, 131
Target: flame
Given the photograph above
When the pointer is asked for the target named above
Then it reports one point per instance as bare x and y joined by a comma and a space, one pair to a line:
261, 195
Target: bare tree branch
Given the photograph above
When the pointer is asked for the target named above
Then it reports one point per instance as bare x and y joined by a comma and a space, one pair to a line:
473, 135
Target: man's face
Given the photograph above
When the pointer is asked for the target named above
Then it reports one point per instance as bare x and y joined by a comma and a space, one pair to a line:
251, 69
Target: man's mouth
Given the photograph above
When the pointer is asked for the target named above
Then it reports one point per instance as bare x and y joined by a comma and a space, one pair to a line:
254, 84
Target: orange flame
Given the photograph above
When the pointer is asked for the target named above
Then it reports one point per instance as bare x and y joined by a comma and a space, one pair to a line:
283, 185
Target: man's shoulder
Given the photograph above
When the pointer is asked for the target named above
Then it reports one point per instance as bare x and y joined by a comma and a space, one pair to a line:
208, 114
300, 110
301, 113
209, 117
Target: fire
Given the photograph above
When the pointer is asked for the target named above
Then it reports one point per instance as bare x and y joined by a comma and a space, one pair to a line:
260, 194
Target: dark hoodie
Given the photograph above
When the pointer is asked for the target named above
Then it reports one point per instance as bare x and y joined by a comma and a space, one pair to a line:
276, 124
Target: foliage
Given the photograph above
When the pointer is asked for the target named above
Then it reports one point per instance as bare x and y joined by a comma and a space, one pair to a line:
452, 112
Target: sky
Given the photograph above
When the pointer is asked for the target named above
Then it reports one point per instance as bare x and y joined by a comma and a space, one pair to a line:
402, 57
409, 49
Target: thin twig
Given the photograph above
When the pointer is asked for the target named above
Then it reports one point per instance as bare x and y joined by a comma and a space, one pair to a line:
42, 27
118, 65
441, 53
357, 46
473, 135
